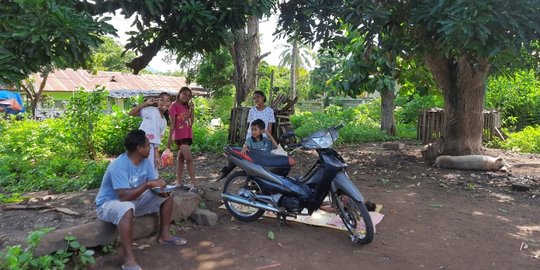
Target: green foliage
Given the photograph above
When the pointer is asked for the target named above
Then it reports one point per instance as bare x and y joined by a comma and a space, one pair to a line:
111, 130
39, 155
109, 56
12, 198
15, 257
35, 34
517, 98
215, 73
361, 123
409, 106
207, 139
83, 112
527, 140
448, 29
320, 76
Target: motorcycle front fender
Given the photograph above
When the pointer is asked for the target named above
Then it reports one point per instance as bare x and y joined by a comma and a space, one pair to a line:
345, 185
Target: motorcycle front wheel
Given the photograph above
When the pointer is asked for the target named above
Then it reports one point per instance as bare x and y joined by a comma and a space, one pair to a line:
240, 184
356, 219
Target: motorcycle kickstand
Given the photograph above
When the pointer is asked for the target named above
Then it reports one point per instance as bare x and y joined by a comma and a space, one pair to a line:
281, 219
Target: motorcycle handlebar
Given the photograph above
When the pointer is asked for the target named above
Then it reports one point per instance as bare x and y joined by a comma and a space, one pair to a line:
339, 126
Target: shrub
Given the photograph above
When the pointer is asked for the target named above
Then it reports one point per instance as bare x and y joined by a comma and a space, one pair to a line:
517, 98
111, 130
409, 106
527, 140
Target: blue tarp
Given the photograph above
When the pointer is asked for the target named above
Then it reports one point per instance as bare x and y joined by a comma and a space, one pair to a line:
4, 94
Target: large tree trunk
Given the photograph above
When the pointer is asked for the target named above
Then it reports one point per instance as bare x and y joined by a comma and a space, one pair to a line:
462, 83
245, 54
388, 122
294, 61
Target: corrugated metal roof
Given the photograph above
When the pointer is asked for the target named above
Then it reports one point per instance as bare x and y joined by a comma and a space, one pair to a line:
119, 84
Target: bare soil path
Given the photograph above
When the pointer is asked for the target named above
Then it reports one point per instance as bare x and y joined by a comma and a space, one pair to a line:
434, 219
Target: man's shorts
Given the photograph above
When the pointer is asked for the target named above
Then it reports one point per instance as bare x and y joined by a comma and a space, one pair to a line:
114, 210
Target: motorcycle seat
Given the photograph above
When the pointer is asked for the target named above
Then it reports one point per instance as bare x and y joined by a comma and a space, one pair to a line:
266, 159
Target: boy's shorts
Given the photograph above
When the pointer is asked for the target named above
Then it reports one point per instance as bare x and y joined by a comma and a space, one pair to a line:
114, 210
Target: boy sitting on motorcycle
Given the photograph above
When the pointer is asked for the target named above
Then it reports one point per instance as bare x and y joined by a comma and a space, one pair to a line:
257, 141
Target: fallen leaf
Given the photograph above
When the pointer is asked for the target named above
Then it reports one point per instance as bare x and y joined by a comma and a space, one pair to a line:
436, 205
271, 235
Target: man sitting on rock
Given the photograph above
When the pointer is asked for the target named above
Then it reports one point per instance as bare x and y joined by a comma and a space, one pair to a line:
125, 194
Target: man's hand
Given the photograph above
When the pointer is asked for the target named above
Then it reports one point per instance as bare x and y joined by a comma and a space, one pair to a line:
244, 150
156, 183
159, 183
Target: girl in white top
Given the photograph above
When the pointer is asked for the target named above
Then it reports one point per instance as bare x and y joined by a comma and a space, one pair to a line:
154, 114
260, 111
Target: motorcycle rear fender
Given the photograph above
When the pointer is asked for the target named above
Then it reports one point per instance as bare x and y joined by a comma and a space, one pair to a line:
345, 185
254, 169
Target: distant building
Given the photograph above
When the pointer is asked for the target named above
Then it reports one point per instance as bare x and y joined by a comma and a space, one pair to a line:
61, 85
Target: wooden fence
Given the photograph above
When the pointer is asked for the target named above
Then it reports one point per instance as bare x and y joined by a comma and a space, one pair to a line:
431, 122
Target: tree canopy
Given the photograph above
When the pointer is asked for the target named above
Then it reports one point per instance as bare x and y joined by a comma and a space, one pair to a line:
109, 56
180, 27
457, 39
35, 34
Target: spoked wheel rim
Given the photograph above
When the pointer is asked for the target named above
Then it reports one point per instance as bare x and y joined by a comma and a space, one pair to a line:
244, 187
352, 218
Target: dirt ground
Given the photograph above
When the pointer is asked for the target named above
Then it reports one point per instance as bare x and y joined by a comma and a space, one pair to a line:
434, 219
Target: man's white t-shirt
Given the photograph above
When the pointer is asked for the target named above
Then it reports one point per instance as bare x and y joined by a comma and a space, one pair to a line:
153, 124
267, 115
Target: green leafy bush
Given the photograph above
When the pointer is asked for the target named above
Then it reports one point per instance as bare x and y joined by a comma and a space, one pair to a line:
409, 106
361, 123
16, 257
111, 130
527, 140
208, 139
517, 98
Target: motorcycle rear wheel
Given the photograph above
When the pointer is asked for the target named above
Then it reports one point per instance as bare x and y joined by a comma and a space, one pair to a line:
239, 184
356, 219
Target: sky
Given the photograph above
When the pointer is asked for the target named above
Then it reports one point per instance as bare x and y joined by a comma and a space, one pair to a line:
266, 29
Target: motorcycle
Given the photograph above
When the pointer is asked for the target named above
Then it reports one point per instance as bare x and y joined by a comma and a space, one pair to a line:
263, 185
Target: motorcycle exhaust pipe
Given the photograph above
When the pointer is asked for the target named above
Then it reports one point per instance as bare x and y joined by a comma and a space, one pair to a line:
244, 201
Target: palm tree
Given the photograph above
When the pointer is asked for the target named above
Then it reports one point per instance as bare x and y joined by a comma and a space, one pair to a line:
295, 55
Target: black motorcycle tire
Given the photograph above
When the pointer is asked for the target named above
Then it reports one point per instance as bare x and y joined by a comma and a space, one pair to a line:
354, 205
226, 185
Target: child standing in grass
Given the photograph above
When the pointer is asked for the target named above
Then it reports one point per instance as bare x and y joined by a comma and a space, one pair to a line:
154, 122
181, 132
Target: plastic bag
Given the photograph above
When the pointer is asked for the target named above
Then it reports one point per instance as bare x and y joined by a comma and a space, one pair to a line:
167, 158
279, 151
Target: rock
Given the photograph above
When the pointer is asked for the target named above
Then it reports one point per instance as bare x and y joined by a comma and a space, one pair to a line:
204, 217
185, 204
394, 146
521, 187
96, 233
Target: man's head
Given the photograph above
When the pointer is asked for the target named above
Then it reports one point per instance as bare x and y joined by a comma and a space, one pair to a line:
136, 142
257, 127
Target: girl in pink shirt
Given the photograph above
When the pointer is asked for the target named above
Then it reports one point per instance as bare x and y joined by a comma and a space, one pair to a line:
181, 114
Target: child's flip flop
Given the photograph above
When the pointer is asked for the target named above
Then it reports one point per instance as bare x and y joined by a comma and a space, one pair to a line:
174, 241
135, 267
